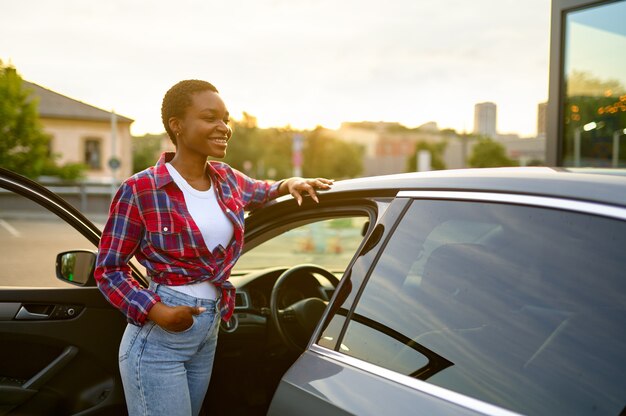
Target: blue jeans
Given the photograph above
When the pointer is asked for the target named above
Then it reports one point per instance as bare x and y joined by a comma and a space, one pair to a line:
168, 373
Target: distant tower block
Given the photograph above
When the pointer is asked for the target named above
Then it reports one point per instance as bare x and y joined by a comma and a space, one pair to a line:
541, 119
485, 119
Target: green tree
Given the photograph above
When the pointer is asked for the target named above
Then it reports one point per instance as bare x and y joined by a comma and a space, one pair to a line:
260, 153
276, 148
24, 147
488, 154
327, 156
146, 150
245, 147
436, 155
68, 172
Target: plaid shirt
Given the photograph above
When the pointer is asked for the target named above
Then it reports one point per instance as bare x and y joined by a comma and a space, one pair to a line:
148, 219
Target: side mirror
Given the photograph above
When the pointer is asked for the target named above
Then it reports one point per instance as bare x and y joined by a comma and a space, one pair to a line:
76, 267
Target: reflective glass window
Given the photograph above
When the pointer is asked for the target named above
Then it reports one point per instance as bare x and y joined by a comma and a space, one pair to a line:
594, 111
518, 306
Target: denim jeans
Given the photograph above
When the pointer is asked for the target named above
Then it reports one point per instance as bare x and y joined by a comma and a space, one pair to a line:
167, 373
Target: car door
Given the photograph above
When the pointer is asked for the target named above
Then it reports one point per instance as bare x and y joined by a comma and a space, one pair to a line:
58, 341
474, 303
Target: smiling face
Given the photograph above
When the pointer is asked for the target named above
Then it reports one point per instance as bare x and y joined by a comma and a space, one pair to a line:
203, 129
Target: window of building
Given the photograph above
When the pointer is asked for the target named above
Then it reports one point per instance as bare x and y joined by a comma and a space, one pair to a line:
594, 87
517, 306
93, 153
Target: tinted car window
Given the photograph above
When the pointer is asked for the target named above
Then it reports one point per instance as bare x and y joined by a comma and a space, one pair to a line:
517, 306
30, 239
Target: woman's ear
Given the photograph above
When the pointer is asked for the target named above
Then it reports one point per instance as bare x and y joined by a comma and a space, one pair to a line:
175, 125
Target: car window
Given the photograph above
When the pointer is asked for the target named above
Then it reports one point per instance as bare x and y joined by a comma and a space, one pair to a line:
30, 239
517, 306
330, 243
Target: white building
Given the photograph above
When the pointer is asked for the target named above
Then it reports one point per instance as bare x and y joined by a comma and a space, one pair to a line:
485, 116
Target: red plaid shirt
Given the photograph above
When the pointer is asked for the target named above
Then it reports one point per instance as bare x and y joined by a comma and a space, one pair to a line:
148, 219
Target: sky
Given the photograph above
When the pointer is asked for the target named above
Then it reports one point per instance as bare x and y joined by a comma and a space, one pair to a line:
301, 63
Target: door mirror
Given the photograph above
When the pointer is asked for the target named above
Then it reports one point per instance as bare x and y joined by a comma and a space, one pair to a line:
76, 267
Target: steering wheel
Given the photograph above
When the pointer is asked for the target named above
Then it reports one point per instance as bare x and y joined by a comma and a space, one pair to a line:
302, 316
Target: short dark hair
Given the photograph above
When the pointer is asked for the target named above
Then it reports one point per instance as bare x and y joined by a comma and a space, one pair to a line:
178, 98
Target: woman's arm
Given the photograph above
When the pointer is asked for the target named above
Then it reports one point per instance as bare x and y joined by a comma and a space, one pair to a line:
118, 243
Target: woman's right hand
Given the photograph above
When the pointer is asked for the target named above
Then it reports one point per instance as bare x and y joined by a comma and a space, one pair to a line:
174, 318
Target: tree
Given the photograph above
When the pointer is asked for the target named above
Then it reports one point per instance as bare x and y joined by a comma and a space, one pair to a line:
146, 151
245, 148
277, 154
436, 155
489, 154
327, 156
24, 147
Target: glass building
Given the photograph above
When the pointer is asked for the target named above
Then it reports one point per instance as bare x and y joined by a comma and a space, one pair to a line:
586, 116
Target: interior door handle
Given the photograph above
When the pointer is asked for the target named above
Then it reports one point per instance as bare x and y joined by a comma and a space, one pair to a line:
24, 315
39, 379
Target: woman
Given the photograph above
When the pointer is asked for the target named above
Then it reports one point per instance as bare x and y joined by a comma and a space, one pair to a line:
183, 220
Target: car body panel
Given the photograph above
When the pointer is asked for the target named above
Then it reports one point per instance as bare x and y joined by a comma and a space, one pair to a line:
554, 182
321, 383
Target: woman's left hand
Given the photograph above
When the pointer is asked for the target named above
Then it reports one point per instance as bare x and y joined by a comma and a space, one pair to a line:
296, 186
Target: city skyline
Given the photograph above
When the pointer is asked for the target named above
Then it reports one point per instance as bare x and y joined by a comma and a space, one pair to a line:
298, 63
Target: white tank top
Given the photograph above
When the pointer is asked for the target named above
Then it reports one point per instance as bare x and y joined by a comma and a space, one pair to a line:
214, 225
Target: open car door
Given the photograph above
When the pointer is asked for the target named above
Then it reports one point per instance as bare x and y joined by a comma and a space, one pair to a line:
58, 341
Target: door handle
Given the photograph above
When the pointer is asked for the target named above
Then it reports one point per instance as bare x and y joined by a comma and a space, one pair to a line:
39, 379
24, 315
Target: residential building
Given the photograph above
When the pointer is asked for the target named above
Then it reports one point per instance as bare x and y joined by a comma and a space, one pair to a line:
82, 133
388, 145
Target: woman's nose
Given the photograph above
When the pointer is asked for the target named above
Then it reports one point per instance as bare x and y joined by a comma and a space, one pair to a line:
227, 130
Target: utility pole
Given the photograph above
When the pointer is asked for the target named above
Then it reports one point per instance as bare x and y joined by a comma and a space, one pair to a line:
114, 162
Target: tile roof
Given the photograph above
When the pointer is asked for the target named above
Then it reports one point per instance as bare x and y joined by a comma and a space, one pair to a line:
55, 105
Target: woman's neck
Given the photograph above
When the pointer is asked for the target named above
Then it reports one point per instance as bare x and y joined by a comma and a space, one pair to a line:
193, 171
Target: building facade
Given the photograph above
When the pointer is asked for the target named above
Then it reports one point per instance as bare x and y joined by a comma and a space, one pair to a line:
388, 146
81, 133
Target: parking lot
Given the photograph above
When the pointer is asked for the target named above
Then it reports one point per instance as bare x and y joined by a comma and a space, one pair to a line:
28, 249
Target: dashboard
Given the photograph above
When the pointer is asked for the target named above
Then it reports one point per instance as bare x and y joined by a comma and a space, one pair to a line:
254, 291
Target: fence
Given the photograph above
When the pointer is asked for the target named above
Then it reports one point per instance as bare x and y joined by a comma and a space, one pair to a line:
92, 199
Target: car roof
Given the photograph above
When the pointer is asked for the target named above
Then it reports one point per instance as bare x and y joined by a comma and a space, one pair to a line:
606, 186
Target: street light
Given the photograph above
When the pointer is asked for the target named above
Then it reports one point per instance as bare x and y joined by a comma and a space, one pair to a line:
616, 135
587, 127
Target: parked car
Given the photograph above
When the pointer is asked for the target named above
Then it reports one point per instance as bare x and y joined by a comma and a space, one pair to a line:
470, 292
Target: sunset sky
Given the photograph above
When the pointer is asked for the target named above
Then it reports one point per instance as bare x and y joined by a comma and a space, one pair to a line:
291, 62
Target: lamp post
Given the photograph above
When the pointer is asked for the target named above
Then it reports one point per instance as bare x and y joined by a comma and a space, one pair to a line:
616, 138
114, 162
577, 137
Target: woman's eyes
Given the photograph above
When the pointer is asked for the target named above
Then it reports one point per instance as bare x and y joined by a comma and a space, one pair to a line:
214, 119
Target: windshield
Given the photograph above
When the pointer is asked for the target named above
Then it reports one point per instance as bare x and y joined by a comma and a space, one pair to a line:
330, 243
